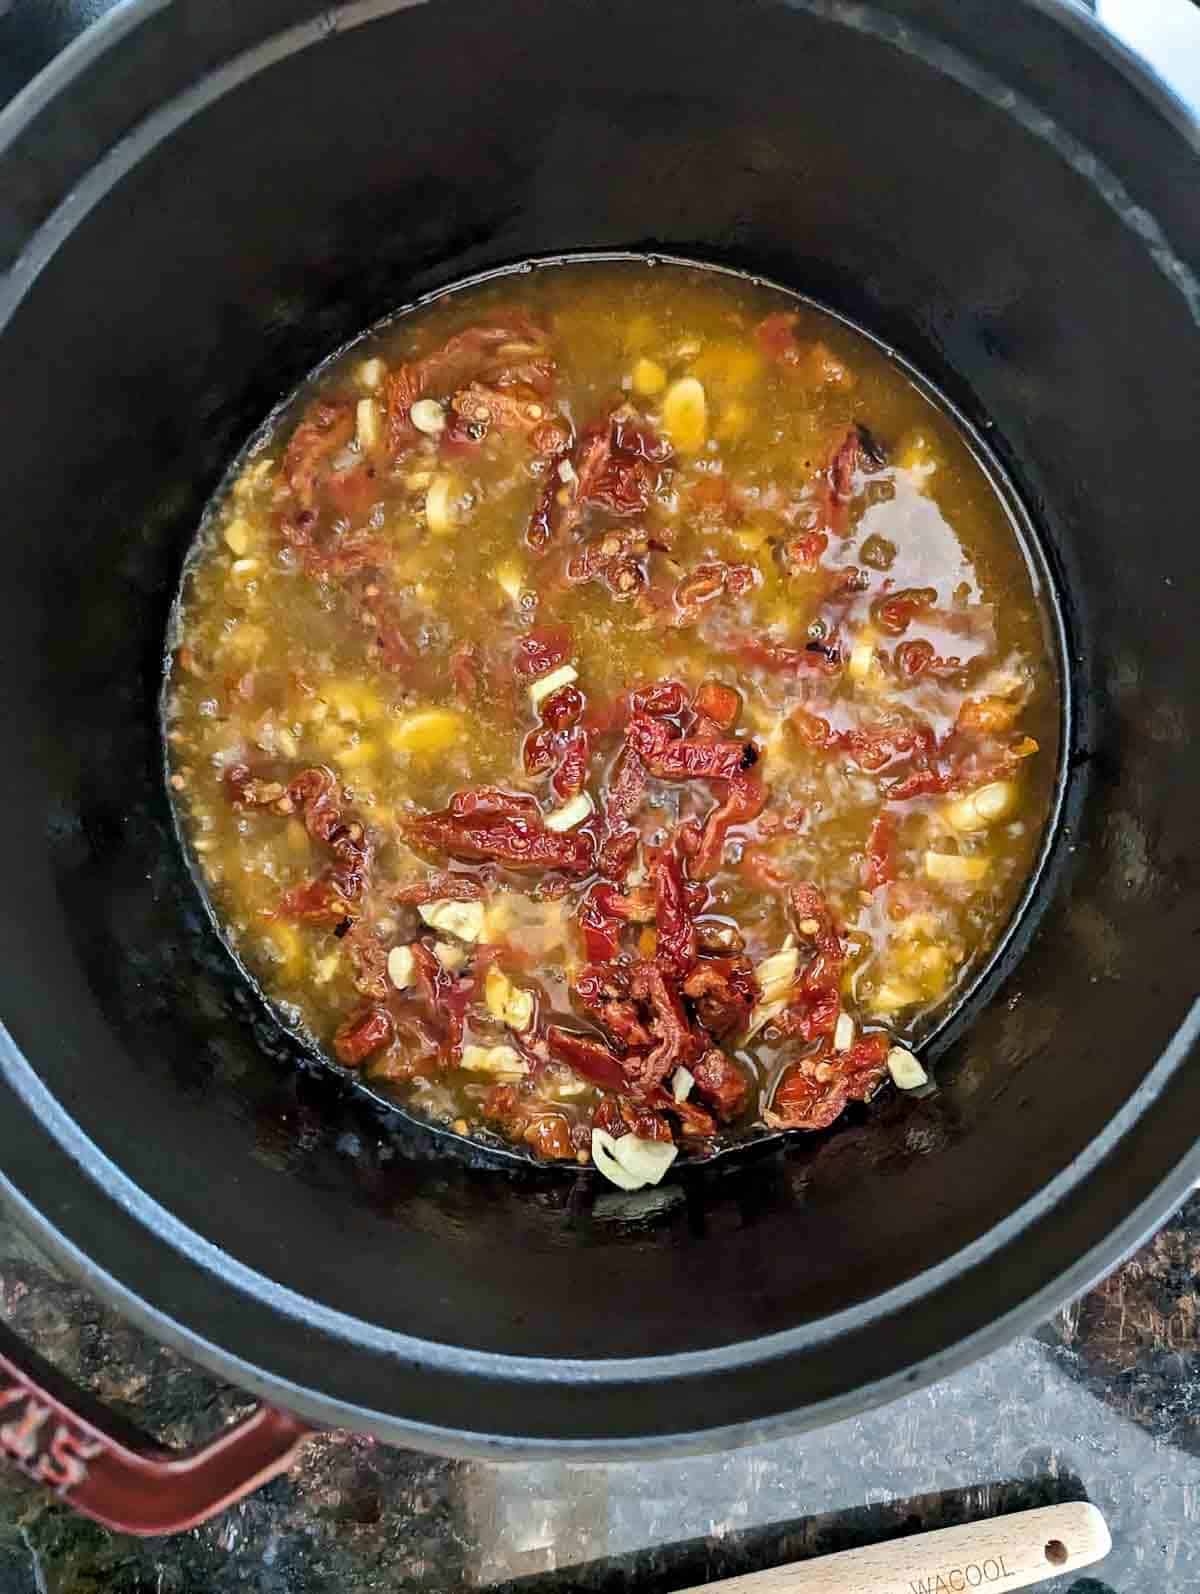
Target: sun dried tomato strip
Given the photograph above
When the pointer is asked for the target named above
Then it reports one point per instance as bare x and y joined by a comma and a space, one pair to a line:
718, 703
879, 866
660, 700
540, 651
815, 1091
315, 901
721, 1083
724, 991
591, 1059
803, 553
619, 1115
516, 408
361, 1035
776, 336
626, 788
857, 451
822, 658
816, 1000
636, 906
327, 427
601, 929
894, 612
707, 582
487, 824
675, 1041
745, 800
695, 1123
872, 747
562, 708
530, 1121
477, 351
686, 758
571, 775
442, 887
603, 990
675, 949
539, 750
315, 793
465, 672
962, 763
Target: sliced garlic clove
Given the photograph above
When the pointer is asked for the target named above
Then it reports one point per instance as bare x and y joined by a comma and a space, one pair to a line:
685, 415
905, 1069
565, 675
462, 919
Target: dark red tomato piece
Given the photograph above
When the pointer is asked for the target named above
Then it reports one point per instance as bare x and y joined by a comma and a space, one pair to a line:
719, 703
591, 1059
777, 337
541, 650
562, 708
879, 867
539, 751
895, 611
362, 1035
663, 699
571, 775
914, 658
675, 950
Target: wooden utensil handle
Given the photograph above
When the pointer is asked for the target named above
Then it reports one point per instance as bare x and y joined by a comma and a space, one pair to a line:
1000, 1554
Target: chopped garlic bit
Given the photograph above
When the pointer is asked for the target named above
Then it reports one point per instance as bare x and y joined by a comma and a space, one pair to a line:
979, 809
862, 655
368, 429
905, 1069
630, 1162
685, 415
544, 685
761, 1017
648, 377
682, 1081
449, 956
440, 510
916, 456
893, 995
325, 968
843, 1034
238, 536
371, 373
571, 813
504, 1062
402, 967
462, 919
428, 416
776, 973
507, 1002
952, 868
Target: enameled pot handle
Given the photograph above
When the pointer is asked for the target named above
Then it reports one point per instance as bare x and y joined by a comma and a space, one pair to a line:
105, 1468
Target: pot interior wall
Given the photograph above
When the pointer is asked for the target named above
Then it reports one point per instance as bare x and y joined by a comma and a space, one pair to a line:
410, 150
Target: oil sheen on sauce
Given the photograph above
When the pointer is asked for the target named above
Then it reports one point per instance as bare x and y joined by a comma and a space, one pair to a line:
613, 698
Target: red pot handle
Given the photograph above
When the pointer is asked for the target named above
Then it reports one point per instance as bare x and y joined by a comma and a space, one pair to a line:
105, 1468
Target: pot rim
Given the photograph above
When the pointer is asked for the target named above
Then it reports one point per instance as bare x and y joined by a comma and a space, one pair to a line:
87, 1176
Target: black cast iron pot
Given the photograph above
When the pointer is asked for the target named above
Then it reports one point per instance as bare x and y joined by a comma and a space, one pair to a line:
197, 203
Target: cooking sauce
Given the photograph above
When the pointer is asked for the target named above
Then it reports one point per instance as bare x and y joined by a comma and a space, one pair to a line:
610, 708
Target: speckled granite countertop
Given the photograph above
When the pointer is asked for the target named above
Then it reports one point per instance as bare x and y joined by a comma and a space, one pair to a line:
1102, 1403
